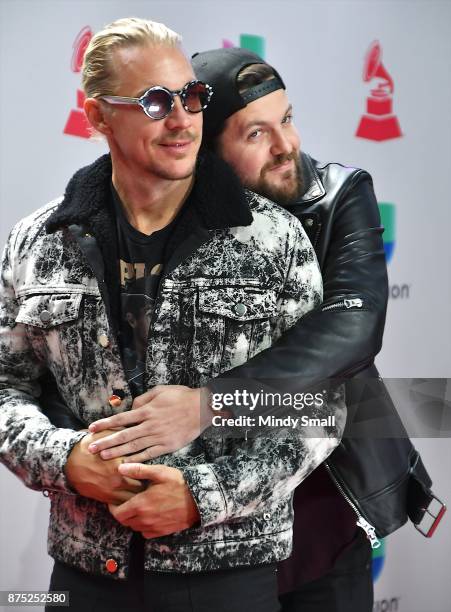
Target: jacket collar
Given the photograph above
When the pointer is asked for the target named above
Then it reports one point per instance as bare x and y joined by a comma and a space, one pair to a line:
219, 197
314, 188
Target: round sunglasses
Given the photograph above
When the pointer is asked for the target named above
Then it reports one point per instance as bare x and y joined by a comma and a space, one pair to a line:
157, 102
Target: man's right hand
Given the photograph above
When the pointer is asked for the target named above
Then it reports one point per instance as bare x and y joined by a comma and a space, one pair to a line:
98, 478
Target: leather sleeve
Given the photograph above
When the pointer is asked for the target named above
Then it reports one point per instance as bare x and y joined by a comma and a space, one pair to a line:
341, 341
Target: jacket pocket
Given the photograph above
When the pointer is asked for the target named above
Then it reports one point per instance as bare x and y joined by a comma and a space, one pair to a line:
53, 326
238, 322
239, 304
46, 311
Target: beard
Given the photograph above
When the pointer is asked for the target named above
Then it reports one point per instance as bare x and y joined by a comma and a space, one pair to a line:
286, 191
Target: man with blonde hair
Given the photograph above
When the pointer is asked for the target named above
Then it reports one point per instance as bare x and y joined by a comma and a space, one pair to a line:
154, 239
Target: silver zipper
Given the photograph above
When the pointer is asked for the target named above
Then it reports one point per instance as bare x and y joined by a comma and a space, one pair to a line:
347, 303
361, 521
370, 532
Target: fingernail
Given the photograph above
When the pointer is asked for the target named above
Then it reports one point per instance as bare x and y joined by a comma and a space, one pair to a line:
92, 448
92, 428
105, 454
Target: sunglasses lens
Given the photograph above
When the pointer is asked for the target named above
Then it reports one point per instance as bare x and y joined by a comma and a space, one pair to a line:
158, 103
196, 97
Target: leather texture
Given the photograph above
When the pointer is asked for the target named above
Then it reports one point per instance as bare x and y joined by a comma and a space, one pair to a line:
382, 474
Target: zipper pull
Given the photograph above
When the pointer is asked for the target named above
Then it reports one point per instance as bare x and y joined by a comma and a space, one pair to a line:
370, 532
357, 302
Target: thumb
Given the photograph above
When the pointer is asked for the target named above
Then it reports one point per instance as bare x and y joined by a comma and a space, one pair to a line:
154, 473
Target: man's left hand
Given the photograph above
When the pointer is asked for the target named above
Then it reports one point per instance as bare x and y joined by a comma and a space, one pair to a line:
165, 507
162, 420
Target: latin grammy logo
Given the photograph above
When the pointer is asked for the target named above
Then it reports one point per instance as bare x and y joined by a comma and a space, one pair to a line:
379, 123
252, 42
77, 124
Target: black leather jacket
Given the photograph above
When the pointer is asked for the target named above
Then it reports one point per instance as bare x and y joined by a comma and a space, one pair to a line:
381, 476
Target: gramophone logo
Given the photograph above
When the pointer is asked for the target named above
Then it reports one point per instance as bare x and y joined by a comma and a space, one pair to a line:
379, 123
77, 124
252, 42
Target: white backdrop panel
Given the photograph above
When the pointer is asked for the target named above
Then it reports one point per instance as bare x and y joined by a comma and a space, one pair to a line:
319, 48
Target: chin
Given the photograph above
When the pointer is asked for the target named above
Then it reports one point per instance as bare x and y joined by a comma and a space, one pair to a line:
175, 173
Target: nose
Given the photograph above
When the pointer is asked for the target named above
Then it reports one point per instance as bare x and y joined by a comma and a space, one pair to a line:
178, 118
280, 144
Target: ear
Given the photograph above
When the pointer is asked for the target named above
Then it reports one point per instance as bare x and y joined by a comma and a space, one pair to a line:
97, 115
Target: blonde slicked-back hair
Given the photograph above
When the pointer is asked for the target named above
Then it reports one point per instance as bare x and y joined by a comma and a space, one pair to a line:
98, 75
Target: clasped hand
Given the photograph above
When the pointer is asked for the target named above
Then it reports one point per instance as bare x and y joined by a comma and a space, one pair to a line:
96, 478
152, 499
162, 420
165, 507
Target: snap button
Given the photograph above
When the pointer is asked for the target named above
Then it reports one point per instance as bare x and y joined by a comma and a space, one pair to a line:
241, 309
103, 340
115, 401
45, 316
267, 516
309, 222
111, 566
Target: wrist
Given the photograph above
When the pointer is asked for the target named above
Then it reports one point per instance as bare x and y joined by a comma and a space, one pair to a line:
206, 412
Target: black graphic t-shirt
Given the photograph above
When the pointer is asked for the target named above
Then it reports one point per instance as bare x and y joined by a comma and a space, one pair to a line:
141, 263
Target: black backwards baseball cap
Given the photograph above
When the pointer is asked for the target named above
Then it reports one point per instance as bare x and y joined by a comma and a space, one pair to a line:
220, 69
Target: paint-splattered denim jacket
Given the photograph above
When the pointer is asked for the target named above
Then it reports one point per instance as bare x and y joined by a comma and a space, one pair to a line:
243, 271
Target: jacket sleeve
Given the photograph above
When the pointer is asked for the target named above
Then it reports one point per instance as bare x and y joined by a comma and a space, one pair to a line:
30, 446
266, 468
256, 475
336, 339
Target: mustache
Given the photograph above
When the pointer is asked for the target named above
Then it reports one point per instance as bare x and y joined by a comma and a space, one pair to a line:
278, 160
185, 135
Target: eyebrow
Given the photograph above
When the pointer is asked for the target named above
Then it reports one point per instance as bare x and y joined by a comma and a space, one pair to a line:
141, 93
247, 126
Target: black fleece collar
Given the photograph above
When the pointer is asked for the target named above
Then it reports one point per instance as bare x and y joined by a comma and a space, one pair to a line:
219, 197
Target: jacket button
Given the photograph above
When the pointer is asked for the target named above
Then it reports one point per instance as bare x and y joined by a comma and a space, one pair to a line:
241, 309
309, 222
111, 566
103, 340
114, 401
45, 316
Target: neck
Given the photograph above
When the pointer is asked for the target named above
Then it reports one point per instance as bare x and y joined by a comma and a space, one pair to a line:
150, 202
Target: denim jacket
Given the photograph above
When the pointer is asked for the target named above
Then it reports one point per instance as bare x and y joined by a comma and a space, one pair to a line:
243, 274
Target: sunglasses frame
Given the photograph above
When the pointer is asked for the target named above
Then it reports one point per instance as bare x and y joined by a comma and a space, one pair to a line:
178, 92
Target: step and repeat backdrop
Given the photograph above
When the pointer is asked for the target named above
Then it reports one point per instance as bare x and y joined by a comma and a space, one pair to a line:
370, 82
